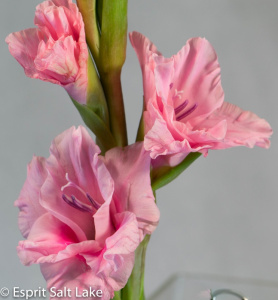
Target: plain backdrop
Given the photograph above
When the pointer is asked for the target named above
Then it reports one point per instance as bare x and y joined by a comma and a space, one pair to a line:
221, 215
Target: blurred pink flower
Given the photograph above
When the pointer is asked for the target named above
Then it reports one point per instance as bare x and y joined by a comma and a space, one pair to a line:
184, 104
56, 51
82, 219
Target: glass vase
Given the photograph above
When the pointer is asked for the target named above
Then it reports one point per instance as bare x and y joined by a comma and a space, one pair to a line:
199, 287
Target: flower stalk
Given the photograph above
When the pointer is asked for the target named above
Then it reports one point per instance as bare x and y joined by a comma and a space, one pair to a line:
111, 59
113, 92
106, 35
134, 289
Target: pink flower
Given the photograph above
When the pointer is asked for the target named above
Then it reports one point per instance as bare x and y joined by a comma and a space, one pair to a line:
82, 219
184, 104
56, 51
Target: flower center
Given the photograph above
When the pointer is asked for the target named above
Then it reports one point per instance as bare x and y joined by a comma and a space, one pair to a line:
181, 111
181, 114
74, 202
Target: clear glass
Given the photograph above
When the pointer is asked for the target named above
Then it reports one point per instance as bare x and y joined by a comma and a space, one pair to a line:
197, 287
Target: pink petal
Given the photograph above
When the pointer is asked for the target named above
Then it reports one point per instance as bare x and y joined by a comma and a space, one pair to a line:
143, 46
244, 128
53, 17
116, 260
23, 46
197, 73
28, 200
145, 51
58, 61
38, 248
107, 270
74, 274
130, 170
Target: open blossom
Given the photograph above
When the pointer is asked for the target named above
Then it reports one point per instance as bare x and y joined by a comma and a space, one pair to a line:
55, 51
84, 215
185, 108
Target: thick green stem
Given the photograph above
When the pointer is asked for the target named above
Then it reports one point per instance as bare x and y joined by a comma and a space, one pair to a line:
111, 83
117, 296
134, 289
112, 53
113, 38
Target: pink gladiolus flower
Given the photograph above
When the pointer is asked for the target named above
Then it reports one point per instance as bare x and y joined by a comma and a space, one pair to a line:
184, 104
84, 215
56, 51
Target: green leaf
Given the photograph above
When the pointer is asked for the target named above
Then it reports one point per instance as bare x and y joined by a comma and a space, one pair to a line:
95, 96
98, 127
164, 175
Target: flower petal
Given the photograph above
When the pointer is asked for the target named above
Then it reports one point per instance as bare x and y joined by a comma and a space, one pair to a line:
145, 51
244, 128
197, 74
117, 258
74, 274
130, 170
27, 202
23, 46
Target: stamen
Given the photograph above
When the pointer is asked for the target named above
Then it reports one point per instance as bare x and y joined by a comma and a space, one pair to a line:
188, 112
181, 107
75, 203
95, 204
72, 184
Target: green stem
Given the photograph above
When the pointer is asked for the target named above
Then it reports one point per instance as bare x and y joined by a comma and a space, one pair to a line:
112, 87
164, 175
134, 289
89, 15
117, 296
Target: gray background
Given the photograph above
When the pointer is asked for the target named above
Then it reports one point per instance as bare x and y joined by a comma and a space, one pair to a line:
219, 217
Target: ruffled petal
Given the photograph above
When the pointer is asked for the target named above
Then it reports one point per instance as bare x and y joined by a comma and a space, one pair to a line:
23, 46
244, 128
197, 74
145, 51
130, 170
75, 275
38, 249
28, 200
116, 260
